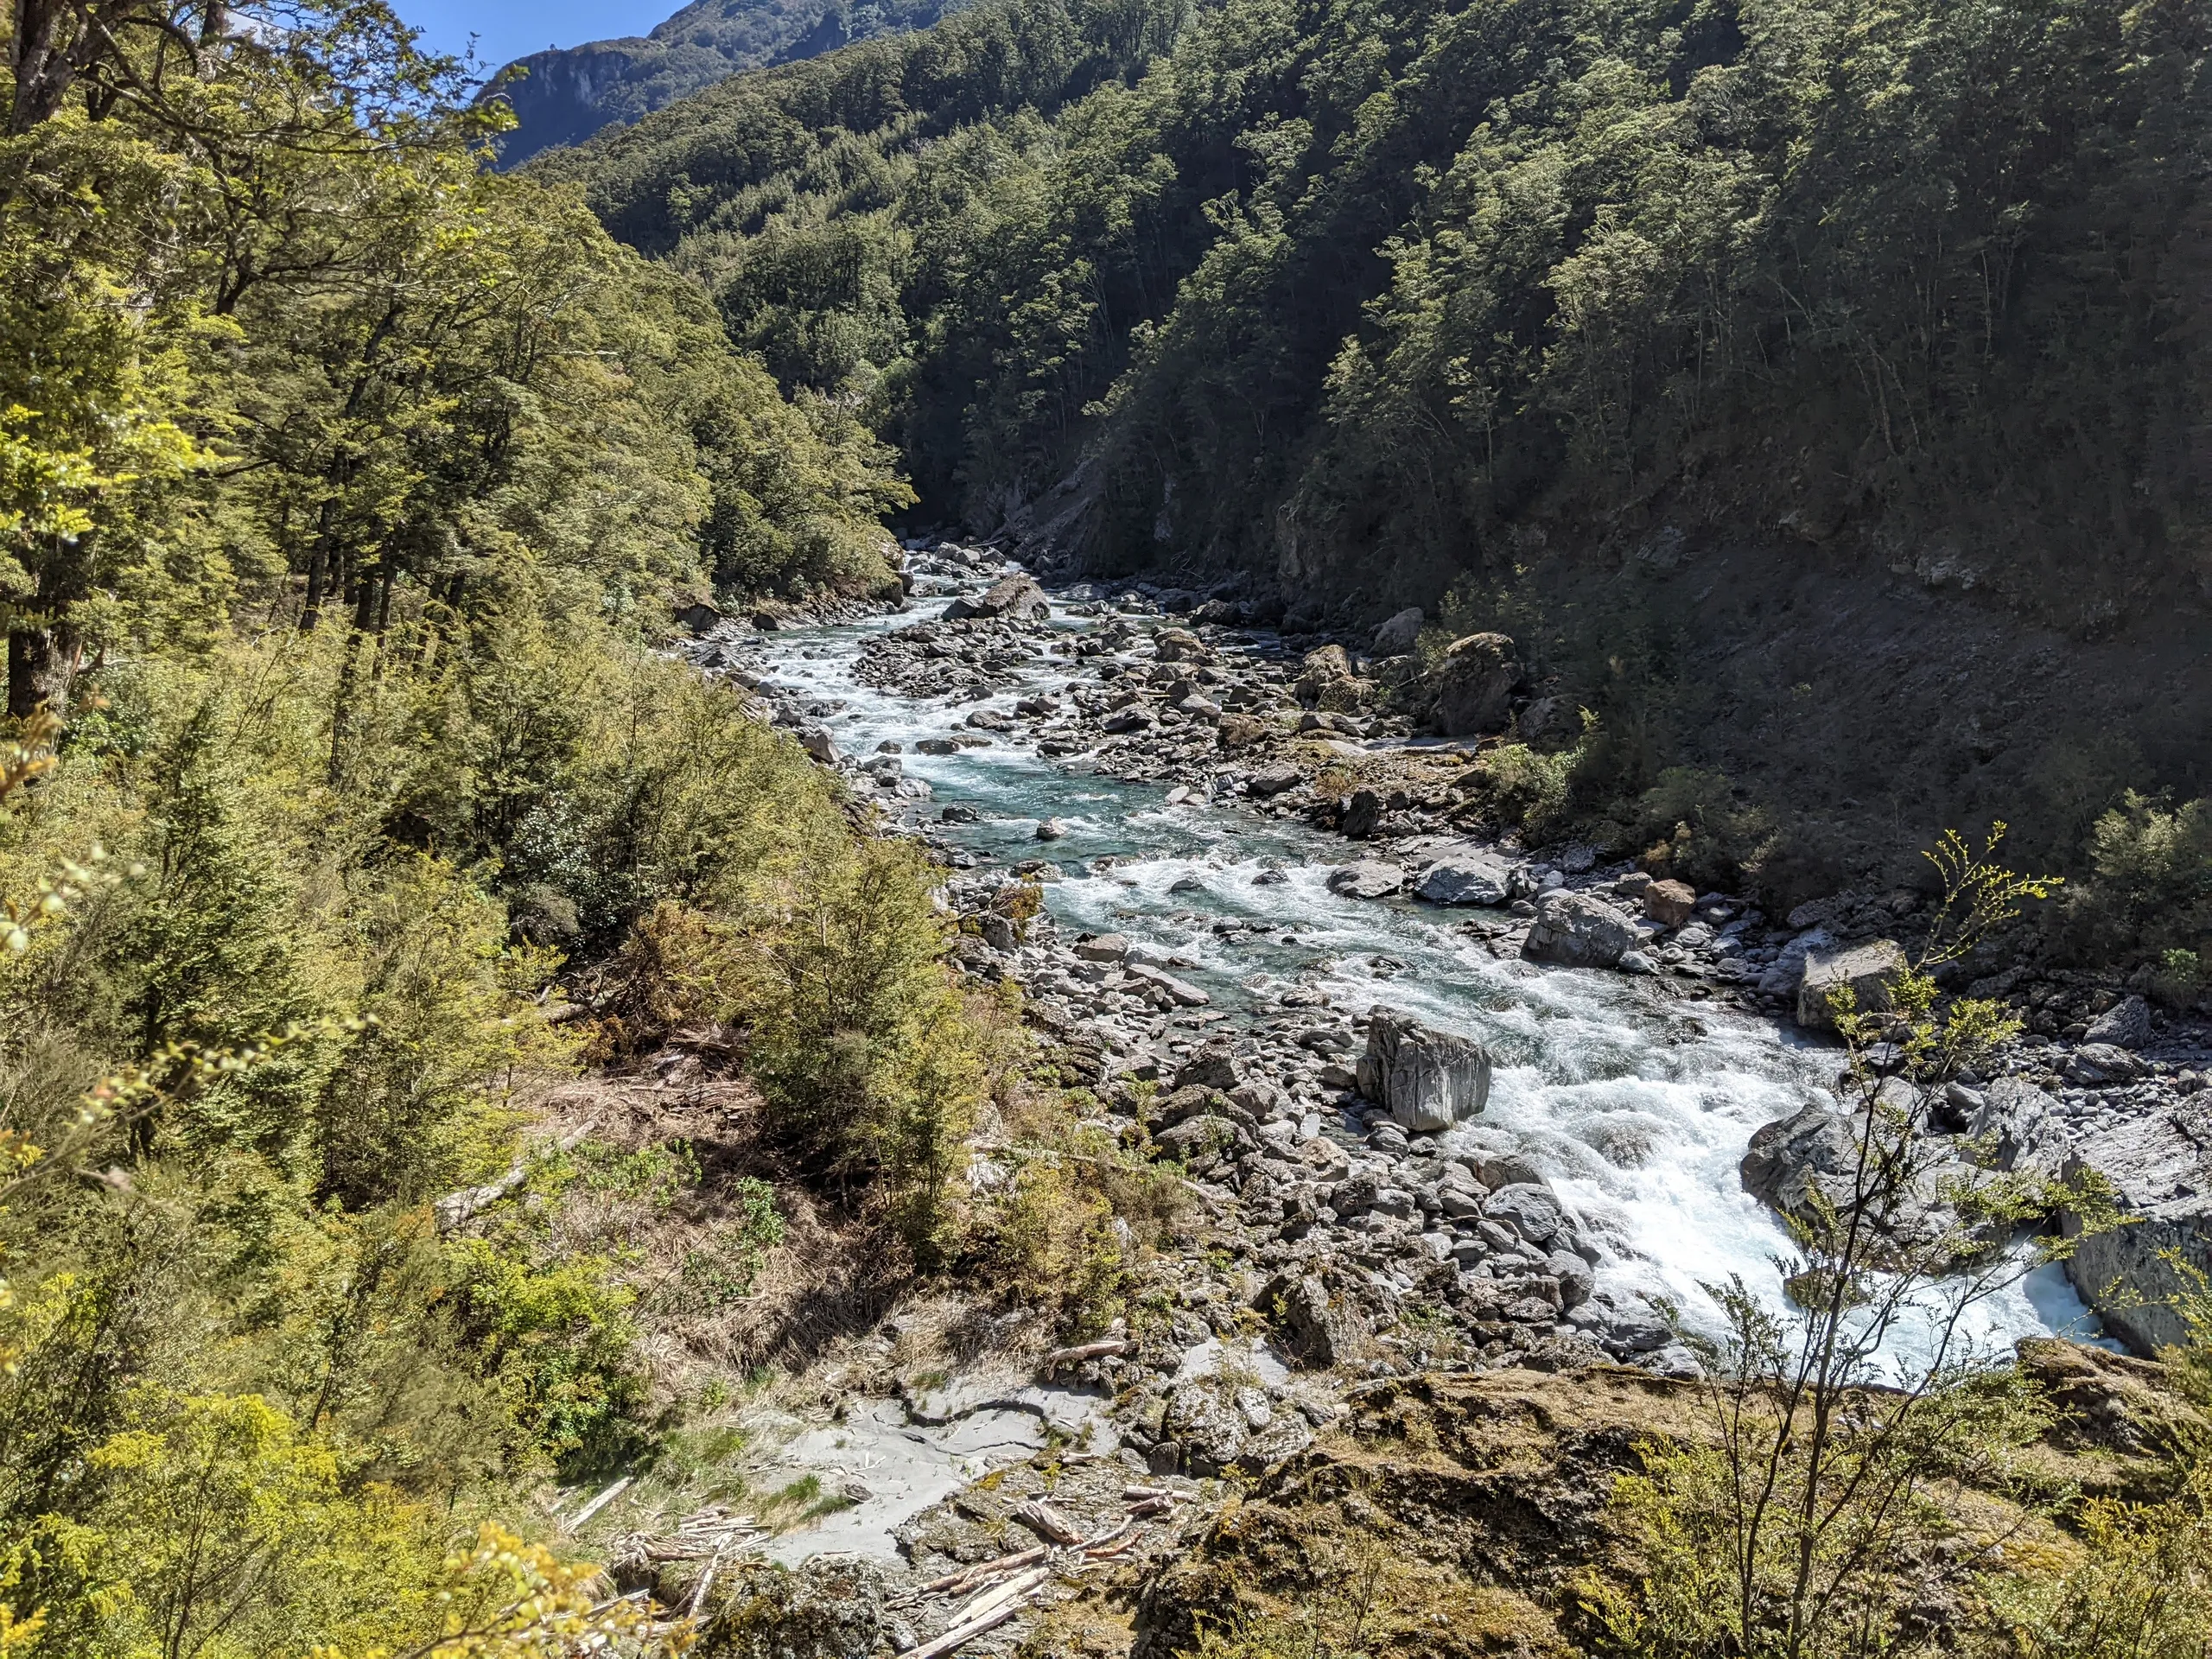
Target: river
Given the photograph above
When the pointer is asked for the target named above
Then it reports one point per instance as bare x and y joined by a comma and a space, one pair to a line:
1637, 1106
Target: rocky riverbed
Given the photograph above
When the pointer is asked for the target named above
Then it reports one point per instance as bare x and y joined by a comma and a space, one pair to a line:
1450, 1099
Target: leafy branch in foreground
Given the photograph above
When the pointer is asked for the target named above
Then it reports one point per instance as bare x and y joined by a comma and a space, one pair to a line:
1843, 1422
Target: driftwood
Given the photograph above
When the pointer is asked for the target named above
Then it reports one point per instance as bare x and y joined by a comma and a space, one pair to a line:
1047, 1522
1082, 1351
968, 1576
598, 1503
455, 1209
1014, 1594
960, 1634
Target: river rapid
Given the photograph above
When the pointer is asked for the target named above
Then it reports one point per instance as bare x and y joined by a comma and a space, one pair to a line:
1638, 1105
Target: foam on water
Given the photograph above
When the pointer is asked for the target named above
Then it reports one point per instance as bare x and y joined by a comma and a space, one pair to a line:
1638, 1108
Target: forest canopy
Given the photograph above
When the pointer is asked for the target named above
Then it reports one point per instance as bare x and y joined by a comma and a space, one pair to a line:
1363, 292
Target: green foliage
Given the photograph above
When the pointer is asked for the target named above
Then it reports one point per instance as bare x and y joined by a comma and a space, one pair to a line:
2151, 890
554, 1338
1302, 282
1809, 1514
345, 486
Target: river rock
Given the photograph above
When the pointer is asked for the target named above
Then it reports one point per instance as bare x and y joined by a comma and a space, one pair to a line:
1362, 813
1868, 970
1429, 1079
1018, 597
1234, 731
2094, 1065
1215, 1065
1368, 878
819, 744
1466, 877
2124, 1025
1396, 636
1790, 1157
1529, 1210
1474, 684
1317, 1330
1578, 930
1320, 674
2014, 1117
1107, 947
1182, 994
1052, 830
1274, 780
2160, 1165
1669, 903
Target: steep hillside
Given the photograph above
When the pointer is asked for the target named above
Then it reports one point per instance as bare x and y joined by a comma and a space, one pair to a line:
1520, 303
563, 95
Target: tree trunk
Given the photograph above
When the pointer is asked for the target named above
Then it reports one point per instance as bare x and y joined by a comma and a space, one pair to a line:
41, 663
38, 54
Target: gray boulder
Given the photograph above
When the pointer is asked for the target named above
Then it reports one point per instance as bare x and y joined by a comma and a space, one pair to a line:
1273, 780
2126, 1025
1868, 970
1471, 877
1790, 1158
1017, 596
1429, 1079
2095, 1064
1368, 878
2160, 1166
1362, 813
2015, 1118
1529, 1210
1474, 684
1396, 636
1578, 930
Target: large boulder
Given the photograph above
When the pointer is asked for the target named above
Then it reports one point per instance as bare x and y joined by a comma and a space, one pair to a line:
1234, 731
1868, 970
2124, 1025
1466, 877
2160, 1167
1368, 878
1788, 1159
1396, 636
1669, 903
1474, 684
1324, 677
1578, 930
1018, 597
1429, 1079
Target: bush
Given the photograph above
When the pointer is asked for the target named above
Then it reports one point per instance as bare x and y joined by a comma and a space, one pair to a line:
2150, 891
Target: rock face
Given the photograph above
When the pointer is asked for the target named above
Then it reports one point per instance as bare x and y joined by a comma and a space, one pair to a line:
1474, 689
1578, 930
1395, 637
2161, 1167
1868, 970
1018, 597
1429, 1079
1368, 878
1471, 877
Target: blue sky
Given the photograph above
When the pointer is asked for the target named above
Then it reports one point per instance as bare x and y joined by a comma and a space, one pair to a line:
507, 29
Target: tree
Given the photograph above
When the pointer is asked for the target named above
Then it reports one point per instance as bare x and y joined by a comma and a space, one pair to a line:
1803, 1528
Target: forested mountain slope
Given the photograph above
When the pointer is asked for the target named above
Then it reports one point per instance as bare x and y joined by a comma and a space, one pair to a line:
565, 94
1542, 302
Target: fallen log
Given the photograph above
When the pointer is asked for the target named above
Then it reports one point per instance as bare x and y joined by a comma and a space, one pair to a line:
457, 1207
